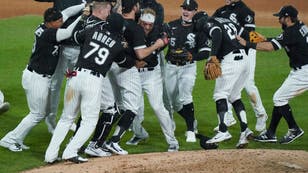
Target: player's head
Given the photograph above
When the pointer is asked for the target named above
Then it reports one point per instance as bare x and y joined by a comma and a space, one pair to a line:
130, 5
147, 20
189, 8
101, 9
199, 20
53, 18
115, 23
287, 16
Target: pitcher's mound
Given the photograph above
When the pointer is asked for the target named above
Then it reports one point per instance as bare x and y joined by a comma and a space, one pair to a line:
220, 161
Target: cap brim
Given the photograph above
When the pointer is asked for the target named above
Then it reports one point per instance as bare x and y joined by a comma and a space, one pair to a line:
276, 14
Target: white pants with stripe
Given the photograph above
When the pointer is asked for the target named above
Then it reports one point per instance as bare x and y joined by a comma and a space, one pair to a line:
82, 92
37, 92
234, 77
295, 84
152, 85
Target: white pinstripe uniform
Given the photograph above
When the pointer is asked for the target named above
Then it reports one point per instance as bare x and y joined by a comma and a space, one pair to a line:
36, 77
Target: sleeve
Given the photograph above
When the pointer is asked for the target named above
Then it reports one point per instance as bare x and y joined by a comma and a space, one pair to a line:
278, 42
248, 20
216, 34
71, 11
139, 38
63, 34
122, 60
204, 47
79, 36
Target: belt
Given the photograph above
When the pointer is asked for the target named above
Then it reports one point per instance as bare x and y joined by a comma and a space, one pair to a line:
180, 63
238, 55
92, 72
297, 68
33, 71
146, 69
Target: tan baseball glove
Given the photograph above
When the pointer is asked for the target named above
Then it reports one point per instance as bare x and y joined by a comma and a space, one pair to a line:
256, 37
212, 69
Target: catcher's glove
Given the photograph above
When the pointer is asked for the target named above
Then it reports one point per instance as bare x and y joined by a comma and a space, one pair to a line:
205, 145
256, 37
180, 55
212, 69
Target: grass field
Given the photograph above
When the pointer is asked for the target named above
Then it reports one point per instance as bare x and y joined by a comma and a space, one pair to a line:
16, 38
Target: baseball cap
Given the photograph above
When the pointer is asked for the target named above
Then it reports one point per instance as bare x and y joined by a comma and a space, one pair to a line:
52, 14
286, 11
127, 5
115, 23
190, 5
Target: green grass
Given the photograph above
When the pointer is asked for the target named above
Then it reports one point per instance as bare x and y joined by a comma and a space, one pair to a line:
16, 38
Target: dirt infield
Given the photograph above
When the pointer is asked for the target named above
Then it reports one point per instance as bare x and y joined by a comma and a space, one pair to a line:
270, 161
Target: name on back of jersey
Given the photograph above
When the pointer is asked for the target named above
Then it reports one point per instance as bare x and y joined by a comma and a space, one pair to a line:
103, 38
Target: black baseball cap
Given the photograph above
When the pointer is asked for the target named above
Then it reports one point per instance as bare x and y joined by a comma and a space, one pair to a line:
52, 14
115, 23
286, 11
190, 5
127, 5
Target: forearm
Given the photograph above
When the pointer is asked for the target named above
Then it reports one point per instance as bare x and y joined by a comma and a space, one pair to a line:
64, 33
263, 46
71, 11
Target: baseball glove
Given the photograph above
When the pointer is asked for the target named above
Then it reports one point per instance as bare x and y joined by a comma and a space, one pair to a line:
212, 69
180, 55
205, 145
256, 37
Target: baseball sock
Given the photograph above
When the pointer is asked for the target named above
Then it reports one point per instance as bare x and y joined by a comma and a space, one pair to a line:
239, 109
123, 124
187, 112
276, 116
222, 108
286, 112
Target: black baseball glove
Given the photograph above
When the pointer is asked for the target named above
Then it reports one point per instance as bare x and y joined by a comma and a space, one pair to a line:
180, 55
205, 145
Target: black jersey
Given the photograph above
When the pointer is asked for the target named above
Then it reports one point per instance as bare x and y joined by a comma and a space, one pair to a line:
45, 51
225, 42
152, 59
294, 39
99, 49
183, 37
134, 36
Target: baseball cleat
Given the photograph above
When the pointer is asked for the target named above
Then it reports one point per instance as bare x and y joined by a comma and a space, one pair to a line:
77, 159
219, 137
190, 136
96, 151
265, 137
135, 140
57, 160
115, 148
4, 107
243, 141
15, 147
291, 135
261, 122
173, 148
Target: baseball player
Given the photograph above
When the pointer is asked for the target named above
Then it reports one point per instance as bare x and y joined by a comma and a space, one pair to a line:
36, 77
234, 67
151, 83
69, 52
100, 47
238, 12
294, 39
180, 71
4, 106
127, 81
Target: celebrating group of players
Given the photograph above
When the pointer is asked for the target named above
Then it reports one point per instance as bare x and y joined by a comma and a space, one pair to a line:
113, 52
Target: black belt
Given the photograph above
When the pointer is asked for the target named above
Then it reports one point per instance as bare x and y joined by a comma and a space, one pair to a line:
237, 57
44, 75
92, 72
297, 68
180, 63
146, 69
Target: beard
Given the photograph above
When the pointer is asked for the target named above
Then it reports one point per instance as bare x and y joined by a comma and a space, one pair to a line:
283, 26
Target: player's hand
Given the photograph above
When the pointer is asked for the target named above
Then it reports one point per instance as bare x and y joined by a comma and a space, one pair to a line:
161, 42
140, 64
242, 41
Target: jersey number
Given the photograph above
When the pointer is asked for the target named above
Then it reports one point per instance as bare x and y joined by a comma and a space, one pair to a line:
231, 30
101, 52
